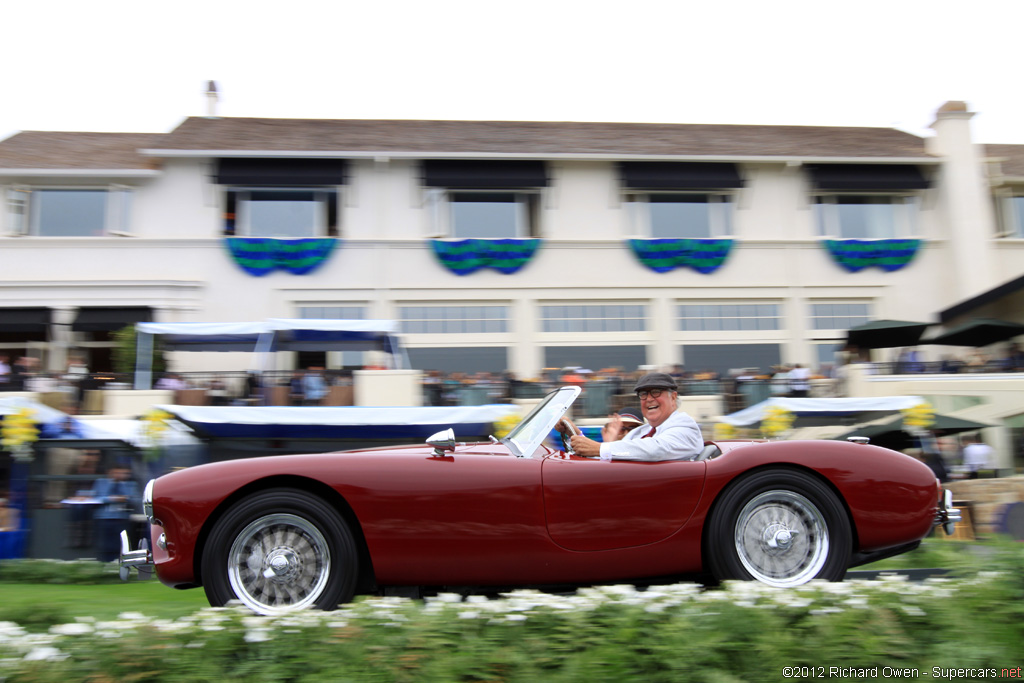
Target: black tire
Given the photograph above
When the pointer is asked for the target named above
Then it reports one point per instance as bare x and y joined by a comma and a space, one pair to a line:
280, 549
782, 527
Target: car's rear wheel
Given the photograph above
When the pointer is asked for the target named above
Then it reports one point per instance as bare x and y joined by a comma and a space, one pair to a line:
781, 527
278, 550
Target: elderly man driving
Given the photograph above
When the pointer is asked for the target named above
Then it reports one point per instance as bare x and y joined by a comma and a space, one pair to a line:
669, 434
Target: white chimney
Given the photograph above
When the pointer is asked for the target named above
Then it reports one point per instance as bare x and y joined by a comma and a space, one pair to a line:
211, 99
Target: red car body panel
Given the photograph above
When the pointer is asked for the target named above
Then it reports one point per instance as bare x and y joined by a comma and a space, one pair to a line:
480, 516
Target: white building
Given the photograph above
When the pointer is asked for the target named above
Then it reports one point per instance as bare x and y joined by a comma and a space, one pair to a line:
104, 229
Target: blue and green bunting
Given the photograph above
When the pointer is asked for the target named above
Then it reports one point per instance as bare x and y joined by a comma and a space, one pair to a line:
663, 255
261, 255
463, 257
889, 255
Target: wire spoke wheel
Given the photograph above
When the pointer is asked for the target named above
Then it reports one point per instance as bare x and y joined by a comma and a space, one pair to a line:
279, 562
779, 526
280, 550
781, 538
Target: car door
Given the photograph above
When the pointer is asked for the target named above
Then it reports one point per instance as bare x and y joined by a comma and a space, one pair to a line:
593, 504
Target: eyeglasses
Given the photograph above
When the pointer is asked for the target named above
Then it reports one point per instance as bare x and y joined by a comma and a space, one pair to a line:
653, 393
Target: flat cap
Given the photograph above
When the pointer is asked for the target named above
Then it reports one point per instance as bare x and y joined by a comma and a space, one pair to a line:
656, 380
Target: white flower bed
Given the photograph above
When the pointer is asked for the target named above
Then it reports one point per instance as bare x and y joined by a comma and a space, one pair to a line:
914, 599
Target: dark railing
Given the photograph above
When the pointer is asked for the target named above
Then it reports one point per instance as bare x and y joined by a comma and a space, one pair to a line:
600, 397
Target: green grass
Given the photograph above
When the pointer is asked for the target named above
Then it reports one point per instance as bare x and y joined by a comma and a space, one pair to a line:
37, 595
39, 606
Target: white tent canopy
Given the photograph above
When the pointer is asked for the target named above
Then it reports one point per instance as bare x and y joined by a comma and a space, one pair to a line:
838, 408
276, 334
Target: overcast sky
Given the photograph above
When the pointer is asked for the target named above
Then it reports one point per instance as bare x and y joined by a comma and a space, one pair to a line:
142, 66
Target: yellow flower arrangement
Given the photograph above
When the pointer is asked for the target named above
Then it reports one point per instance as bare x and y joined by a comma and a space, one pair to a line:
724, 430
19, 432
776, 422
921, 416
506, 424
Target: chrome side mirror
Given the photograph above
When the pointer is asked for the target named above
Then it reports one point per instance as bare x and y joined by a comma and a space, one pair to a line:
443, 442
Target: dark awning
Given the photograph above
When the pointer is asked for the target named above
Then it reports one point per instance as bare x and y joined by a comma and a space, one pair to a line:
978, 332
96, 319
24, 319
886, 334
671, 175
867, 177
477, 174
281, 172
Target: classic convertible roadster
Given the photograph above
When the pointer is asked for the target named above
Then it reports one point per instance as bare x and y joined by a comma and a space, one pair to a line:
299, 531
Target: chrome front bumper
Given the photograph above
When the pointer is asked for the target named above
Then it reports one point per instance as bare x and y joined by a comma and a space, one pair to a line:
945, 514
141, 560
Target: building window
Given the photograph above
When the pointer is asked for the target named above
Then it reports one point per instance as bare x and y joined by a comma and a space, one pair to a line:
594, 318
454, 319
866, 216
1011, 216
715, 317
678, 215
486, 199
332, 312
69, 212
467, 214
839, 315
281, 212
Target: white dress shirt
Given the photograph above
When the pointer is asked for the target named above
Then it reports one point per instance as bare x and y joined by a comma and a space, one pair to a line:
677, 438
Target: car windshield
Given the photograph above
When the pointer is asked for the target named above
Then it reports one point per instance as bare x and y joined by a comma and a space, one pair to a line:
528, 434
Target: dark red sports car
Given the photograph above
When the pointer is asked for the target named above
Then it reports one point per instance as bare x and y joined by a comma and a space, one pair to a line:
301, 531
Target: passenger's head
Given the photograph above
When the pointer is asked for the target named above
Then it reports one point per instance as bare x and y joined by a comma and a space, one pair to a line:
630, 420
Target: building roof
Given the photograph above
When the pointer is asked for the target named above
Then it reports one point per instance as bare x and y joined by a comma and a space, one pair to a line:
75, 150
540, 139
1010, 158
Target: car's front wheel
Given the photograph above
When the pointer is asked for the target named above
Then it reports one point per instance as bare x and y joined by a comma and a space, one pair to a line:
280, 549
781, 527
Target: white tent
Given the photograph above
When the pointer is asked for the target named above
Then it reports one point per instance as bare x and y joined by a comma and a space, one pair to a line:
824, 410
277, 334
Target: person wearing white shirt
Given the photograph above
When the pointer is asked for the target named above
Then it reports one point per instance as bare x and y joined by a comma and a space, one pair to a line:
668, 435
977, 456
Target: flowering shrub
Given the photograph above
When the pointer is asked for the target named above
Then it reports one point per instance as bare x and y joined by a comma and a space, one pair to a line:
739, 631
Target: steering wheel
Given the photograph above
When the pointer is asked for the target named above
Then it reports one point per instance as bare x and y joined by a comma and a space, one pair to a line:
566, 444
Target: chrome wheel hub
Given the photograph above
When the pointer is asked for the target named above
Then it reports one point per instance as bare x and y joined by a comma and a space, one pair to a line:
781, 538
279, 562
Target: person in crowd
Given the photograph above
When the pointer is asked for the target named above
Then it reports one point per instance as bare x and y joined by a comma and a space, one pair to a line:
10, 517
296, 394
21, 373
779, 382
218, 392
977, 456
314, 388
118, 498
171, 382
252, 385
80, 514
669, 434
5, 373
433, 388
799, 381
60, 459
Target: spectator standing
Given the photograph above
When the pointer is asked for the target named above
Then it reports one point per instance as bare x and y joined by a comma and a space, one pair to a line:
118, 498
5, 374
977, 456
799, 381
313, 387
